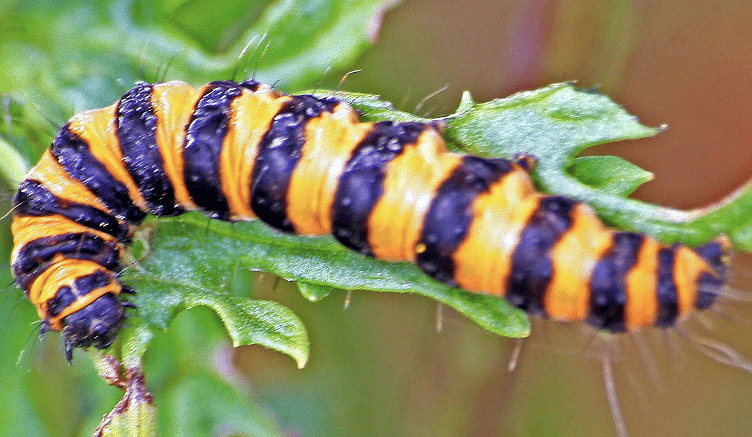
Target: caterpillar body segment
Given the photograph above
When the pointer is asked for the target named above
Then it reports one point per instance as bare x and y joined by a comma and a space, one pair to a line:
306, 165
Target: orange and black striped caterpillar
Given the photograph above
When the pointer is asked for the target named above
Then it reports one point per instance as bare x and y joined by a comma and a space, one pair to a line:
306, 165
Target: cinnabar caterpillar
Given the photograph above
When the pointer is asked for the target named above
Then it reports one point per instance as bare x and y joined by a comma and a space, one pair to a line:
306, 165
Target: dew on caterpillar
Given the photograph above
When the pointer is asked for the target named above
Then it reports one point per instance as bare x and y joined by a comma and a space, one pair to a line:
306, 165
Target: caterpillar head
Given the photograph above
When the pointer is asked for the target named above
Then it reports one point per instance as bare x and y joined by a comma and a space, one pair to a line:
96, 325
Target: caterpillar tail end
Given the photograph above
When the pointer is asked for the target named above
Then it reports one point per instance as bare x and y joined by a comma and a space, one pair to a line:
717, 254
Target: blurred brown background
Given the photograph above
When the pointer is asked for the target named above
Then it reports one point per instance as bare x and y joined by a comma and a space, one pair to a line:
687, 64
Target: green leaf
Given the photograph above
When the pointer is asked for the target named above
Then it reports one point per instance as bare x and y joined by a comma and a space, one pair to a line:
609, 174
556, 123
183, 271
553, 124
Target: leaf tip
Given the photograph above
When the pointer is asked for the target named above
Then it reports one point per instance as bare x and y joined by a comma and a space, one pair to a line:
374, 24
302, 361
313, 292
466, 102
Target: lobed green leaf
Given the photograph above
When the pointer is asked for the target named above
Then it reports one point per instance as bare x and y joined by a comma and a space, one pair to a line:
191, 264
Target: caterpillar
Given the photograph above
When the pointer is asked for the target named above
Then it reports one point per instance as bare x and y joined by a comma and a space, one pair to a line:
307, 165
